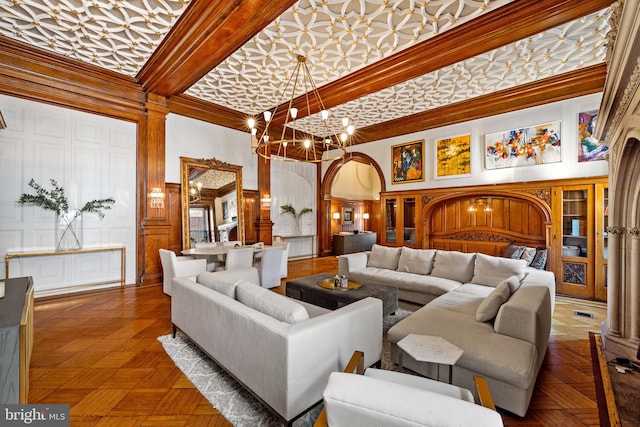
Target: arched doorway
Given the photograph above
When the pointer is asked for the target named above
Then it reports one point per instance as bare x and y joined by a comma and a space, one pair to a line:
326, 199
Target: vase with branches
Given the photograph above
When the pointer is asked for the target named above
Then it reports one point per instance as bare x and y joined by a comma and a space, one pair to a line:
68, 222
288, 208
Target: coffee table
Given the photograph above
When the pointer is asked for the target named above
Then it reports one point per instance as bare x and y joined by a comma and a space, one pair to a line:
307, 289
426, 348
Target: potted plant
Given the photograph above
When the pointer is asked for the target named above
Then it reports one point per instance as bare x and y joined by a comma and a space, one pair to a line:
68, 227
288, 208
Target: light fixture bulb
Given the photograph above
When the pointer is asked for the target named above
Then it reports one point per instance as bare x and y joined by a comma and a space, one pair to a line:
294, 112
251, 123
351, 129
267, 116
266, 138
254, 131
324, 114
284, 144
344, 137
327, 141
307, 143
345, 122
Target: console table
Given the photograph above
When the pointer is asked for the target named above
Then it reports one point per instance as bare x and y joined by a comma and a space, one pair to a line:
349, 243
27, 254
16, 339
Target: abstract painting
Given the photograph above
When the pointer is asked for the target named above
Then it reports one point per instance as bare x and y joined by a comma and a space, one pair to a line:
453, 156
407, 162
533, 145
590, 148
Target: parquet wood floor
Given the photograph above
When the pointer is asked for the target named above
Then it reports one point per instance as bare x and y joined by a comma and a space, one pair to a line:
98, 353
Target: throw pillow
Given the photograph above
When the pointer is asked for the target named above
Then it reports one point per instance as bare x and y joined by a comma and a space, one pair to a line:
513, 282
513, 251
418, 261
453, 265
488, 308
211, 280
528, 254
540, 259
265, 301
491, 270
384, 257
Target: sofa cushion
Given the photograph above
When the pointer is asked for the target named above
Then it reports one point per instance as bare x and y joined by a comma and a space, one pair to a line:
265, 301
513, 251
384, 257
540, 259
427, 284
488, 308
528, 254
213, 281
418, 261
453, 265
491, 270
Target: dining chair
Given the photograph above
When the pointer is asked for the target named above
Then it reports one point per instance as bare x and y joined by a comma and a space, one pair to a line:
178, 266
284, 262
237, 258
232, 243
269, 267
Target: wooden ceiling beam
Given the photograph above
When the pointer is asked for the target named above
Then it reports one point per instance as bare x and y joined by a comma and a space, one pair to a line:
508, 24
564, 86
204, 36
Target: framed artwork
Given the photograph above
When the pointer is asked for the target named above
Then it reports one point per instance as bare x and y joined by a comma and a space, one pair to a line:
347, 216
590, 149
453, 156
533, 145
407, 162
225, 210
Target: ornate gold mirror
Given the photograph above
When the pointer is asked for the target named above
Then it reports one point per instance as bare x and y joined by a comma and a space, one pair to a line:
212, 202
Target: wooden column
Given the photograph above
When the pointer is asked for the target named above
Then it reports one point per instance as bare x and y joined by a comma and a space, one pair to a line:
264, 225
153, 233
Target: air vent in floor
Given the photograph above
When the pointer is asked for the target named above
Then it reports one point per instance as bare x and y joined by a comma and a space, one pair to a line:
583, 314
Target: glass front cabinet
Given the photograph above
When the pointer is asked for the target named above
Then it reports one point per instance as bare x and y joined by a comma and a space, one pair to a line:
580, 240
400, 215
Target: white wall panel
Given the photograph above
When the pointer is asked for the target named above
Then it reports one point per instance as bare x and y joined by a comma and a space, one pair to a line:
187, 137
91, 157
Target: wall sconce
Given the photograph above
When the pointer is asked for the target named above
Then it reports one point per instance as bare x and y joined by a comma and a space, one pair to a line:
156, 198
365, 217
265, 202
481, 203
336, 215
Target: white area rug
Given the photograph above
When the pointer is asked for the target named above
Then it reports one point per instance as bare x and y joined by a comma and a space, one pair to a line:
230, 398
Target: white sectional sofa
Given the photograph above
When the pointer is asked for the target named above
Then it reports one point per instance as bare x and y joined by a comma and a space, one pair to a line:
281, 349
497, 310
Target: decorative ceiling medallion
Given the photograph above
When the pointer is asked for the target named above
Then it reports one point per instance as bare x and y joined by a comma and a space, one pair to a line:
119, 35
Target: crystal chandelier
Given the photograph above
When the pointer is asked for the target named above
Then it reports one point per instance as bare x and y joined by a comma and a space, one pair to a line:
294, 144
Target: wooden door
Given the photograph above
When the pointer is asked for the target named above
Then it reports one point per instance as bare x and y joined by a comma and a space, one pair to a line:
602, 250
573, 240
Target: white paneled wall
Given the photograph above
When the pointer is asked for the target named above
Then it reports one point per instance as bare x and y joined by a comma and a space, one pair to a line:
294, 183
91, 157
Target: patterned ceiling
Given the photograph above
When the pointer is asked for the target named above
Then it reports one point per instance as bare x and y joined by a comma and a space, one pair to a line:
338, 36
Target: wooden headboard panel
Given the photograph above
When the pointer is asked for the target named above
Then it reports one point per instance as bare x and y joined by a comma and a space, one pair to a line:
501, 218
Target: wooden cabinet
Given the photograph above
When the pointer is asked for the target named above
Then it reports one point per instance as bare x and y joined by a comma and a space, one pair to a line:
16, 340
579, 240
400, 219
350, 243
